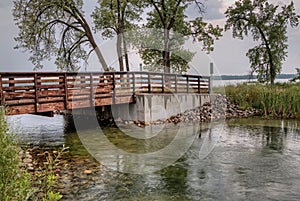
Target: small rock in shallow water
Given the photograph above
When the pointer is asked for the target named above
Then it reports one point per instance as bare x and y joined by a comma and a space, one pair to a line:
88, 172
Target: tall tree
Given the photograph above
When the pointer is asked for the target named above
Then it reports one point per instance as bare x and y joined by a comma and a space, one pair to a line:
56, 28
266, 23
115, 17
170, 27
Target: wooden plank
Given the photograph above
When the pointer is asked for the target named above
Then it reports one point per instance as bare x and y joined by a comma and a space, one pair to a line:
15, 88
46, 81
79, 97
8, 76
19, 102
51, 99
99, 96
11, 98
20, 109
17, 81
79, 104
52, 86
104, 101
51, 93
47, 107
124, 94
107, 84
75, 92
22, 94
120, 100
103, 90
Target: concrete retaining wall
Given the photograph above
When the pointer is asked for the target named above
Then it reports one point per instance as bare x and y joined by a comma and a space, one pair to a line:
153, 107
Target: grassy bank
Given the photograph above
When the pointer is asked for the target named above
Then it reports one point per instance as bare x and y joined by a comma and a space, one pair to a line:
278, 101
16, 184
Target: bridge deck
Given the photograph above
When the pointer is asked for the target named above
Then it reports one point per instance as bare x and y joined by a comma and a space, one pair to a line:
33, 93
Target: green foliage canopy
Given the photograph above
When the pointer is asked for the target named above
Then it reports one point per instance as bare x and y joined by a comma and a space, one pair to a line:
116, 17
55, 28
162, 48
267, 23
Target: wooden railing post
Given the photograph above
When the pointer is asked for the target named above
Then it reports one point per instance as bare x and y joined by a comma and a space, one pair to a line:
66, 91
187, 84
209, 85
11, 85
114, 89
92, 90
176, 89
149, 83
199, 85
163, 83
1, 92
36, 92
133, 83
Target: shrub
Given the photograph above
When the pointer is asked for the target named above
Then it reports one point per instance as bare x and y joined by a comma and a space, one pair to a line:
14, 182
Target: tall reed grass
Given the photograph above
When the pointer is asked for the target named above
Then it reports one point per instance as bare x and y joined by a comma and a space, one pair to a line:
278, 101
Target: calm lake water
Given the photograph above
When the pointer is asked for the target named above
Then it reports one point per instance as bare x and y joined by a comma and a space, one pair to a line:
246, 159
219, 83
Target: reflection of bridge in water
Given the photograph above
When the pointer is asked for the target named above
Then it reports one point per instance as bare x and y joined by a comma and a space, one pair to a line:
43, 93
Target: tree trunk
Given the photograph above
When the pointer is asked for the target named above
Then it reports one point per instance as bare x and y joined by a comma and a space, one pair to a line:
119, 51
272, 71
101, 59
91, 39
126, 54
271, 62
166, 52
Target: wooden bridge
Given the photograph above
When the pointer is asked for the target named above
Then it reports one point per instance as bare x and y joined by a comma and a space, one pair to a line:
39, 93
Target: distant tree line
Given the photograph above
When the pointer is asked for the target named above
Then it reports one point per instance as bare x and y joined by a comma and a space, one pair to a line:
250, 77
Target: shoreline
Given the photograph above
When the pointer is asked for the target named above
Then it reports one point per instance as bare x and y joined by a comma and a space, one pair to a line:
220, 109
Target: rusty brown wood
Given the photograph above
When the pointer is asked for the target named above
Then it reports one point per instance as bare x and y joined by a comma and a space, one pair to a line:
36, 102
44, 92
1, 92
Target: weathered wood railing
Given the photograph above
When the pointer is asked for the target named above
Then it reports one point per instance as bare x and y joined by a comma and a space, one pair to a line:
29, 93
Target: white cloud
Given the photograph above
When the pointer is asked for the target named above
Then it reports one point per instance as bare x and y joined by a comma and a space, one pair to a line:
214, 9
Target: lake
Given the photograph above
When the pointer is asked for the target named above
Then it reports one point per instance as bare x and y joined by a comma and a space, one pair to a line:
242, 159
219, 83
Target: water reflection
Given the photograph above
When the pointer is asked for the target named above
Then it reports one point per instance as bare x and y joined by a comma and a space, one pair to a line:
252, 159
274, 138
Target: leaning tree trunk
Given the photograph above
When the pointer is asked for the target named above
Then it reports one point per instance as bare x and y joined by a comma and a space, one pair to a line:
101, 59
93, 43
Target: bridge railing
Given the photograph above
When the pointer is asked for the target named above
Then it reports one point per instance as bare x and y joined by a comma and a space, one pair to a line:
24, 93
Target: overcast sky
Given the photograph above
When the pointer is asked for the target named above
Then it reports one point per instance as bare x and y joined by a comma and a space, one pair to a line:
229, 55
